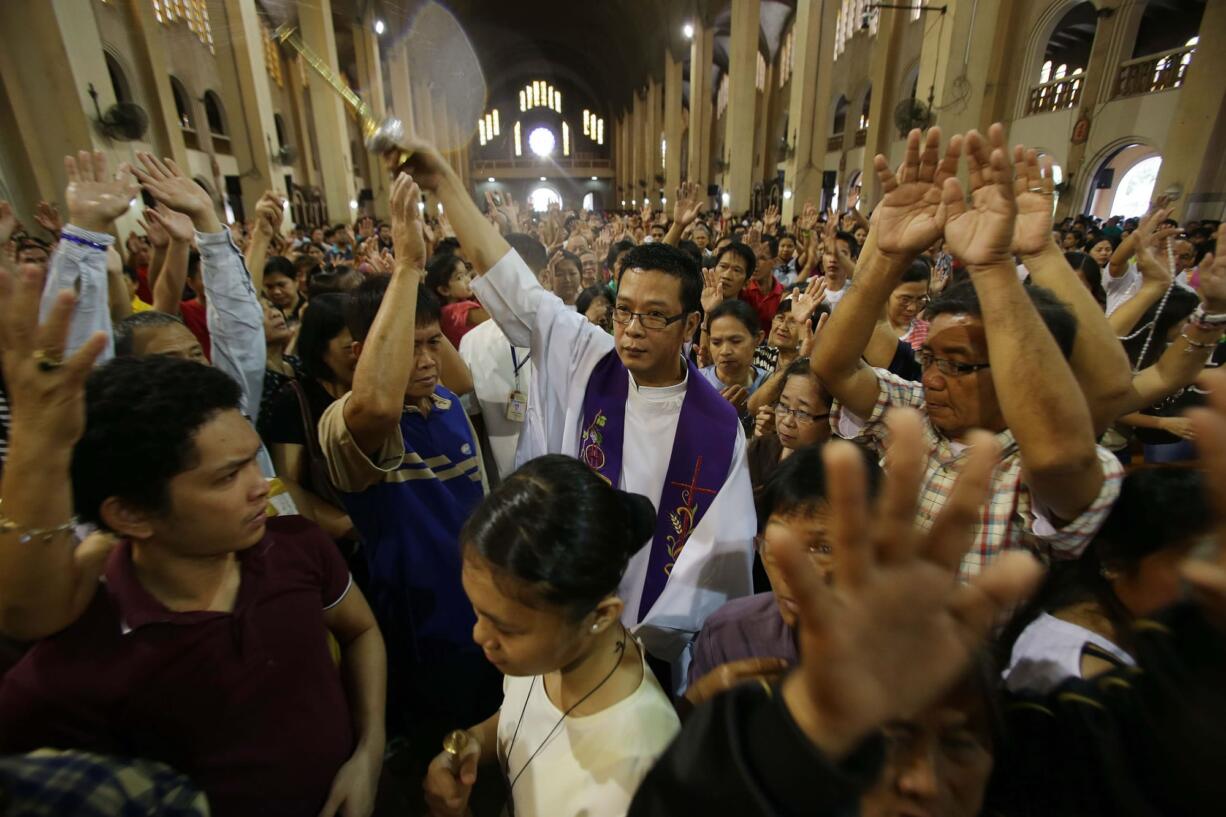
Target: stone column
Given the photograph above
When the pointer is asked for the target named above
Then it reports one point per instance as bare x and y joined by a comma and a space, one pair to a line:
882, 74
370, 78
638, 163
327, 111
307, 152
961, 63
1192, 157
763, 150
399, 78
164, 124
741, 102
58, 42
698, 166
812, 46
655, 133
672, 122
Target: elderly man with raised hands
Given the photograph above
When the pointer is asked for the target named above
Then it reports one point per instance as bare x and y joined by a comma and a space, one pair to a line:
995, 358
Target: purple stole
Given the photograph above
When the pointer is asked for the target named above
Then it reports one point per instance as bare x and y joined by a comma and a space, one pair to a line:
701, 458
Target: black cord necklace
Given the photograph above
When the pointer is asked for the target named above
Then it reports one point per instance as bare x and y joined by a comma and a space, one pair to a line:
620, 649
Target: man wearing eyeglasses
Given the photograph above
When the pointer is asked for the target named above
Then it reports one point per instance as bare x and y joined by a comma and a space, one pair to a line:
995, 358
634, 409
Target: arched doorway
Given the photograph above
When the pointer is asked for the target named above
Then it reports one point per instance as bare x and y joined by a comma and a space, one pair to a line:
1123, 184
542, 197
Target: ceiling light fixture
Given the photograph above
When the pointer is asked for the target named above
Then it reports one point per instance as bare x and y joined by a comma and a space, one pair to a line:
379, 27
491, 180
688, 31
543, 178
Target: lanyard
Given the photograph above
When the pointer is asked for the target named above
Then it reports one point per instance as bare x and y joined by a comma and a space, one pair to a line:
518, 364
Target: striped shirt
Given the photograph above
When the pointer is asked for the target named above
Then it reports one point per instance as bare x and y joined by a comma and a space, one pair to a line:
1011, 520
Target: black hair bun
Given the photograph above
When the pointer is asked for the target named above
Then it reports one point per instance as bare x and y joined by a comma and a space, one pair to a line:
640, 520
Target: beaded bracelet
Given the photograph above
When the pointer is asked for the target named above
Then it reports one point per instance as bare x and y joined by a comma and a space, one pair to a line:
1195, 344
29, 534
84, 242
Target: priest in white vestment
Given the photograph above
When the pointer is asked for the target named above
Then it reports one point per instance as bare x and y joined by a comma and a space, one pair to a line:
697, 469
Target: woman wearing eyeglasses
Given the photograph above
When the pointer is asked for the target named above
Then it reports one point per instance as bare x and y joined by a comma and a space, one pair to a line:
800, 415
907, 302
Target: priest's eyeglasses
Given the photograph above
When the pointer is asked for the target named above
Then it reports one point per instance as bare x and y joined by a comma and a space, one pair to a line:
803, 418
951, 368
648, 320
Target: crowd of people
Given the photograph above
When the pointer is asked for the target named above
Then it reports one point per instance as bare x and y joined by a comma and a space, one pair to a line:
605, 513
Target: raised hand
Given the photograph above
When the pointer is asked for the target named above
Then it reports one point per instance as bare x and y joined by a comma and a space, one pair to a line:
689, 204
805, 302
511, 210
408, 239
771, 218
154, 231
270, 211
177, 226
982, 233
420, 159
1152, 264
1212, 274
807, 334
911, 216
712, 292
95, 198
646, 214
896, 629
1034, 191
808, 217
46, 392
168, 184
48, 217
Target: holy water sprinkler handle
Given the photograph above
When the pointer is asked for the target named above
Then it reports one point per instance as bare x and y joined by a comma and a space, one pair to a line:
381, 137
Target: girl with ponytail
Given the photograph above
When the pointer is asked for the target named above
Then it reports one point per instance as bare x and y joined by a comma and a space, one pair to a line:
583, 719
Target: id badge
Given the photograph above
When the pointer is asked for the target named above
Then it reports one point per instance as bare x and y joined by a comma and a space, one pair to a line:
517, 406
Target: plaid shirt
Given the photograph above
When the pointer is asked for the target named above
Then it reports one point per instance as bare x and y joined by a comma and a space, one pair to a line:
1010, 520
49, 783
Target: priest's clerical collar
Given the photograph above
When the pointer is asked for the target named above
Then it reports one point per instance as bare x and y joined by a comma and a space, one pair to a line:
662, 392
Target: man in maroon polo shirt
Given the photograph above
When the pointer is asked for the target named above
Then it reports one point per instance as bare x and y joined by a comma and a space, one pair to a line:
204, 646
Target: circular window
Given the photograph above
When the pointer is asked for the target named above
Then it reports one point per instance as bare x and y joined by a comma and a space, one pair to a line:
541, 141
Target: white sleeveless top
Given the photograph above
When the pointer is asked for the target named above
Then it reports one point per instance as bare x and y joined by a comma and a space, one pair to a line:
1049, 651
590, 765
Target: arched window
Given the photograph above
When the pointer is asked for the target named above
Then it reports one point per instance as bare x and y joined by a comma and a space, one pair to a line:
215, 114
1133, 195
542, 197
183, 104
840, 116
1068, 46
279, 123
864, 108
119, 80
